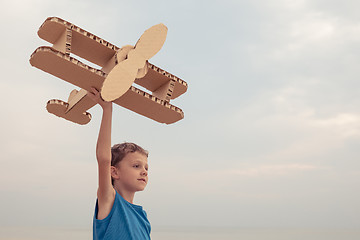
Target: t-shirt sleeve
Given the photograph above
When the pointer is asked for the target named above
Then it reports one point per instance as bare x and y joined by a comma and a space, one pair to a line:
101, 226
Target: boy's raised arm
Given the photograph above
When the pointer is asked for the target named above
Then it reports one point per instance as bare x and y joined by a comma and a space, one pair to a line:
106, 192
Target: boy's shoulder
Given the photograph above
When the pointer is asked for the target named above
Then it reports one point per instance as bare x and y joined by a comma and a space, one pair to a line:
124, 219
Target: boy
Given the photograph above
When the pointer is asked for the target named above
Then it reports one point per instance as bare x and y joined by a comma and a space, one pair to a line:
123, 170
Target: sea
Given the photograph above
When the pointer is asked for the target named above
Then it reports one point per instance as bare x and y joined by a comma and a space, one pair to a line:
188, 233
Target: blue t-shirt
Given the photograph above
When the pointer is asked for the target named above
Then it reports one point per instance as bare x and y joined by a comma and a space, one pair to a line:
125, 221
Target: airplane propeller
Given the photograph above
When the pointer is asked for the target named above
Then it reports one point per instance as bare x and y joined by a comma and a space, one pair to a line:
121, 77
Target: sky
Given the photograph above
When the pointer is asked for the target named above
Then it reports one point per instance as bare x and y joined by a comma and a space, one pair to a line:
271, 133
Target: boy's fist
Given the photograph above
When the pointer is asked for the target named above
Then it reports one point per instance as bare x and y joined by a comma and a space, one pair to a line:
94, 94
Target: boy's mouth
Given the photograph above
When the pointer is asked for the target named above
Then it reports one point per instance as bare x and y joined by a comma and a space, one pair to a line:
142, 179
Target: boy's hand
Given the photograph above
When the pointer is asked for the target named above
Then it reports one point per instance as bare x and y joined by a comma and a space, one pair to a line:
96, 97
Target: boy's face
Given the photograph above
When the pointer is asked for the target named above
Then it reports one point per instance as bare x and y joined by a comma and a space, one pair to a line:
133, 172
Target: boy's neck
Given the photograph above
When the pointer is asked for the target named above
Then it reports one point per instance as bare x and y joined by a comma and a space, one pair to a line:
128, 196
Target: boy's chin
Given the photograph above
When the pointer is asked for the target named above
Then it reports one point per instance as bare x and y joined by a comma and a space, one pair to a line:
141, 189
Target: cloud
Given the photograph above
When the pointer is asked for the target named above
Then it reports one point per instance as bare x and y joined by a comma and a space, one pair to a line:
346, 125
271, 170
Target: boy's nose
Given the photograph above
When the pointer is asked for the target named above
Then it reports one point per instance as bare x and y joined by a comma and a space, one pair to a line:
144, 173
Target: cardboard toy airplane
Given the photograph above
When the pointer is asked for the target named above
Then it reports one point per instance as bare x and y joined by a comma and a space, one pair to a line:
121, 67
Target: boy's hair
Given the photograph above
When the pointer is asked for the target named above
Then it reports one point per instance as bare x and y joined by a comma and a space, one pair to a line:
119, 151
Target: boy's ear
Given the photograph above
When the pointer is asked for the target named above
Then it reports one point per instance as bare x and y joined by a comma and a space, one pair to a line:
114, 172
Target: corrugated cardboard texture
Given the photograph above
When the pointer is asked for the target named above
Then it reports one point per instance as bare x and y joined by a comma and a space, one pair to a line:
68, 37
54, 62
58, 108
